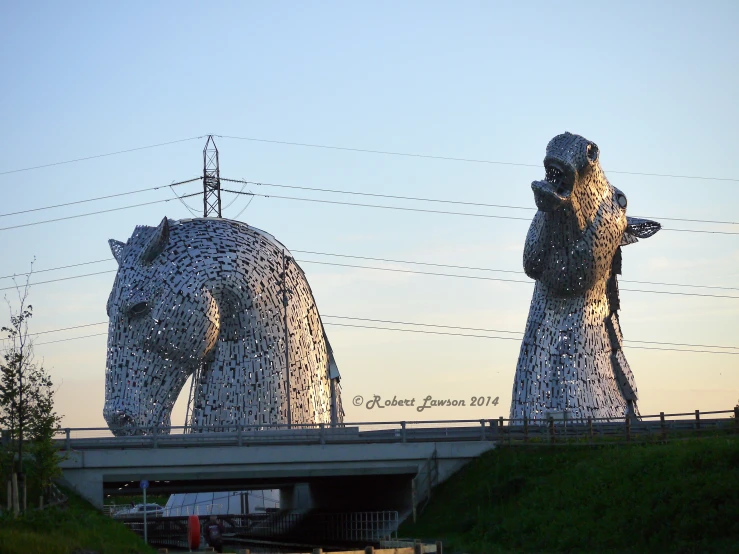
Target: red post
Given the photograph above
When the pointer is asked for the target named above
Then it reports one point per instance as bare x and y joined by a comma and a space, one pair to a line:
193, 532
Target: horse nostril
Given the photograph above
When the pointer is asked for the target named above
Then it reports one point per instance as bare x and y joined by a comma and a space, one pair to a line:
138, 309
121, 424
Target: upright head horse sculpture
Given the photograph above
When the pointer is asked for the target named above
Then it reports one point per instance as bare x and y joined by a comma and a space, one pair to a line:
571, 358
224, 298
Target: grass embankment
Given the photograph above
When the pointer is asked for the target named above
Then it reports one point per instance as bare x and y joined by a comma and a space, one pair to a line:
677, 497
79, 527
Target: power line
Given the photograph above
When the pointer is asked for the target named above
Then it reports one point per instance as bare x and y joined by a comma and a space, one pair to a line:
72, 338
422, 332
454, 159
403, 271
446, 201
98, 212
416, 324
56, 268
349, 149
187, 207
401, 208
513, 332
460, 335
409, 262
377, 195
697, 231
435, 333
64, 278
242, 210
421, 324
476, 277
99, 198
507, 338
66, 329
99, 156
498, 270
376, 206
235, 198
467, 214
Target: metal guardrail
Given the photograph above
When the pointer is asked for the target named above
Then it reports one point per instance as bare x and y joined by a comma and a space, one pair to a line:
347, 528
501, 430
123, 511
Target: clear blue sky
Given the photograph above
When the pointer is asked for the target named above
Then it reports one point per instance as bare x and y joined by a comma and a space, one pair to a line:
654, 84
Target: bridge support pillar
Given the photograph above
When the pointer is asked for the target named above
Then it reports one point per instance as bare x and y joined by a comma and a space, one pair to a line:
296, 497
88, 484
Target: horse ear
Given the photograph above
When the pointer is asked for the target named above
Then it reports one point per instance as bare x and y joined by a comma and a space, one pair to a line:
637, 228
116, 247
157, 243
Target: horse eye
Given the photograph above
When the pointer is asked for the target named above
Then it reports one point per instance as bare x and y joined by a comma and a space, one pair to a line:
592, 152
138, 309
621, 199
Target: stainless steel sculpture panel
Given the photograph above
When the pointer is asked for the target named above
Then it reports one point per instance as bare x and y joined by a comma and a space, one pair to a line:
223, 300
571, 359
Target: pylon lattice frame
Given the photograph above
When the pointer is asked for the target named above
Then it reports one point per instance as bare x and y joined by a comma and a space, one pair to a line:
211, 180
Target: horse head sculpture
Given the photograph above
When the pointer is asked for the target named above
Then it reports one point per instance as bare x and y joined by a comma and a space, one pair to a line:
225, 302
571, 357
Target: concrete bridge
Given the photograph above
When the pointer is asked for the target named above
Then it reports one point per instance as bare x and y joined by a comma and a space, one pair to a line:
359, 467
323, 468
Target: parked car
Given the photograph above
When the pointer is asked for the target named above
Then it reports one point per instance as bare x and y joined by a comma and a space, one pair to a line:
152, 510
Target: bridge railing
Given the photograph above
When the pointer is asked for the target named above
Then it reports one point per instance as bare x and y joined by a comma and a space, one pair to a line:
552, 427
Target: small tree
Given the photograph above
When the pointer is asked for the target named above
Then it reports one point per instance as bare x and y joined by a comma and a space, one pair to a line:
16, 375
26, 400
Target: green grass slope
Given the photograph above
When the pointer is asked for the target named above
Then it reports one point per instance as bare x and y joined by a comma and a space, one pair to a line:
679, 497
79, 527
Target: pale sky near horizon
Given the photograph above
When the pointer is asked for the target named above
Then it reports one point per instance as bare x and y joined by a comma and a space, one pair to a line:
654, 84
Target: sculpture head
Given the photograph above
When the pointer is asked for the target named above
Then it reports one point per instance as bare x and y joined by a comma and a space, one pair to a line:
163, 324
573, 174
581, 221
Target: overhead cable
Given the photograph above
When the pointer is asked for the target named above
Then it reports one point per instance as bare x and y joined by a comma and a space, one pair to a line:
400, 208
411, 272
100, 198
509, 338
99, 155
417, 324
446, 201
97, 212
471, 160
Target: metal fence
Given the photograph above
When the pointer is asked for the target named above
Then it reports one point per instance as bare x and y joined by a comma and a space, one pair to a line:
554, 429
356, 526
661, 427
314, 527
122, 510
